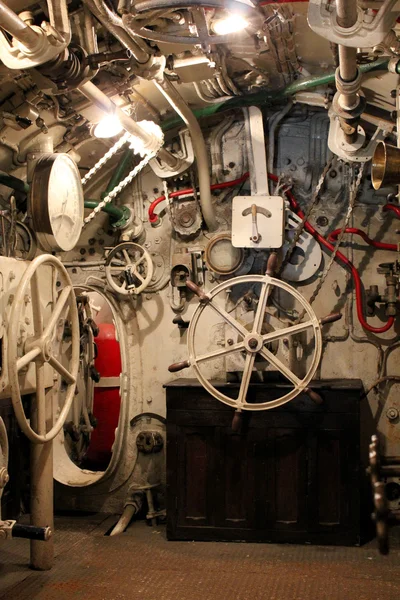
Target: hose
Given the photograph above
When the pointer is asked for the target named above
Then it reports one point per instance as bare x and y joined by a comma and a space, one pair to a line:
393, 208
153, 218
264, 99
332, 237
14, 183
112, 210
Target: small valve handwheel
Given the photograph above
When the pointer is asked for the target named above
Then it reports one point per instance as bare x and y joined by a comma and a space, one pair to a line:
254, 342
39, 348
129, 269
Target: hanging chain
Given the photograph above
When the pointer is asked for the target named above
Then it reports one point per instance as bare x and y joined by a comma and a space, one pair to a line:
300, 228
118, 189
113, 150
354, 188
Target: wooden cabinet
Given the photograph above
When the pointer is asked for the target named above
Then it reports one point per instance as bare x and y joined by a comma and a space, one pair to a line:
291, 475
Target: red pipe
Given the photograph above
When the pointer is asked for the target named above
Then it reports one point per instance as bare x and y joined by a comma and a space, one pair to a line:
356, 277
153, 218
393, 208
333, 236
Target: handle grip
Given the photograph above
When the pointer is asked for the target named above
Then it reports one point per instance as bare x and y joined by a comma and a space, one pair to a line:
237, 421
179, 366
29, 532
197, 290
272, 264
332, 318
313, 395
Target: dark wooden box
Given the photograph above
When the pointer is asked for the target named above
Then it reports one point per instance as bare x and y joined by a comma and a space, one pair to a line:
292, 475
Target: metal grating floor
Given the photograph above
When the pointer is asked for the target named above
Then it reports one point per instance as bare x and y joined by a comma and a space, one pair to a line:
141, 565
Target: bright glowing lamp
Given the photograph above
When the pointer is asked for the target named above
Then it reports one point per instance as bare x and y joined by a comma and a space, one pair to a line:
108, 127
229, 24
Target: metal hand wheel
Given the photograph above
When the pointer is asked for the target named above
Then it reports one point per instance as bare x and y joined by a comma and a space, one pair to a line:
39, 348
254, 342
129, 269
199, 30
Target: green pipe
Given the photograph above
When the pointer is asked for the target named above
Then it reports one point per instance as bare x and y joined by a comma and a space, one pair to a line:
119, 172
14, 183
111, 209
266, 98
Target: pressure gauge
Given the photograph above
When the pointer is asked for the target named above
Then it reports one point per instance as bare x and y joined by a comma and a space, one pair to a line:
56, 202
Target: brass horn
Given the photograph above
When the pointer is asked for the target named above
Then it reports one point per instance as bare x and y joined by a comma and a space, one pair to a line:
385, 165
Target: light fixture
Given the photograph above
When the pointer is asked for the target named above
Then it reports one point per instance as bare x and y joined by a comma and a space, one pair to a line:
108, 127
232, 23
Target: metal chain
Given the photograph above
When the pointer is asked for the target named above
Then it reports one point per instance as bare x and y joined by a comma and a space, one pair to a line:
354, 187
300, 228
117, 146
118, 189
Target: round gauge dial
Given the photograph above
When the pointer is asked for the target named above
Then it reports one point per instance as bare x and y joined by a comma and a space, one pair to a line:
221, 257
56, 202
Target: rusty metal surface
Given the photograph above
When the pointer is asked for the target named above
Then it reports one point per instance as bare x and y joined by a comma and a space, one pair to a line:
141, 564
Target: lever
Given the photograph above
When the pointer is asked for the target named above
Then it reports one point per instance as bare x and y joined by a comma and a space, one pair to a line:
255, 236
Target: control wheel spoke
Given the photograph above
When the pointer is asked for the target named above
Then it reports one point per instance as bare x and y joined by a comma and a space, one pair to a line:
260, 312
27, 358
286, 331
221, 352
278, 364
127, 258
56, 314
65, 374
229, 319
247, 371
36, 306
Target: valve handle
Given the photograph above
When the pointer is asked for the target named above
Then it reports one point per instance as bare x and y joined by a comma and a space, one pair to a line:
197, 290
313, 395
179, 366
331, 318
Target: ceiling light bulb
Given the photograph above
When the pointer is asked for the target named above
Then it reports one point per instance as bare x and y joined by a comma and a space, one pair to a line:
230, 24
108, 127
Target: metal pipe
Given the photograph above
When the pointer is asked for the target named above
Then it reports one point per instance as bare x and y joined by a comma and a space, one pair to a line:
99, 98
165, 86
346, 13
348, 63
42, 554
15, 26
113, 23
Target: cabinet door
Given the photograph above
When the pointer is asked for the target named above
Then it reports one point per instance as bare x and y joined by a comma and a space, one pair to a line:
286, 479
333, 495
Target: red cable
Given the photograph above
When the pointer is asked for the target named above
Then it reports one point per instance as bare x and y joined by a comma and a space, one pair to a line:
333, 236
356, 277
153, 218
393, 208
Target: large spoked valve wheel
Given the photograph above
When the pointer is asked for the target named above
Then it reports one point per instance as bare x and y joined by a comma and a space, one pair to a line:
253, 342
39, 347
129, 269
